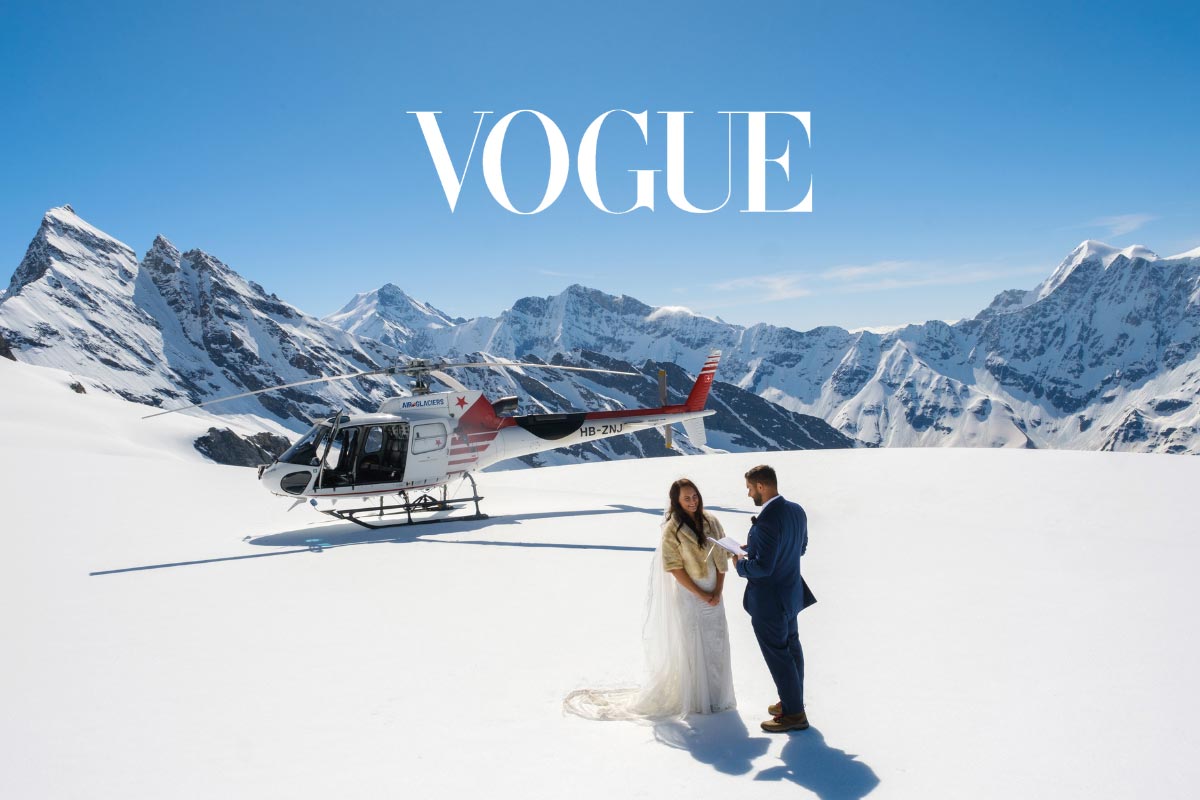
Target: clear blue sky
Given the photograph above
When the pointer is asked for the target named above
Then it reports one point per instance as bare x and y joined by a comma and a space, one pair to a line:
958, 148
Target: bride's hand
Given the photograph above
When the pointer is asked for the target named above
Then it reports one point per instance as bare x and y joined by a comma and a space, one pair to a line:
713, 599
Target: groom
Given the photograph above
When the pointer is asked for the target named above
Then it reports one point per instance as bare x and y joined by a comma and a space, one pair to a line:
775, 593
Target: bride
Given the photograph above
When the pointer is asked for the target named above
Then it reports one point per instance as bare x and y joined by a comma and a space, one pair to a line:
685, 636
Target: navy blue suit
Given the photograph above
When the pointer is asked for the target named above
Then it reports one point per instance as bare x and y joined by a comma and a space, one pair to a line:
775, 594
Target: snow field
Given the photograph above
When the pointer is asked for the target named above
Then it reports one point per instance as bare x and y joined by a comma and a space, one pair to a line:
992, 623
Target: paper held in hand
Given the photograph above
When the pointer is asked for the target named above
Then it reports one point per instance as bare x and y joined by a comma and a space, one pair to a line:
730, 545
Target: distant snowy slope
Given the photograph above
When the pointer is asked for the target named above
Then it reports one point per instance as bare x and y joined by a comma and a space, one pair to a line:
1193, 253
971, 596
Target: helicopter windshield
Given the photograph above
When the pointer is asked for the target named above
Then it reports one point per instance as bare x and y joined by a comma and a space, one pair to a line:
305, 451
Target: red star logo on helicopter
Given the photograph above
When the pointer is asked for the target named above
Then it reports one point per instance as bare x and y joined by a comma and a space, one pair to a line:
462, 402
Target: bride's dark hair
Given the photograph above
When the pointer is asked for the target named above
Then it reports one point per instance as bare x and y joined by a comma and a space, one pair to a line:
681, 516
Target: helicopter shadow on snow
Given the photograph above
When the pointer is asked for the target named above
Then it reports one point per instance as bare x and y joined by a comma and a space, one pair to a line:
340, 535
320, 537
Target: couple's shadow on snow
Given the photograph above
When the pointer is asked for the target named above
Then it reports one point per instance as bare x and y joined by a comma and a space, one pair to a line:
723, 742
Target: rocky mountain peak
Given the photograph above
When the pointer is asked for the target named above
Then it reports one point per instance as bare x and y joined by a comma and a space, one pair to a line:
391, 316
577, 294
162, 257
65, 240
203, 262
164, 244
393, 298
1090, 251
392, 294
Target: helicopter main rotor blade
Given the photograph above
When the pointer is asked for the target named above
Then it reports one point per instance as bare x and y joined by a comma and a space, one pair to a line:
411, 369
382, 371
538, 366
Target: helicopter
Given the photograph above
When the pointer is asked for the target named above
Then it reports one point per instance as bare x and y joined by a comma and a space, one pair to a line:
415, 446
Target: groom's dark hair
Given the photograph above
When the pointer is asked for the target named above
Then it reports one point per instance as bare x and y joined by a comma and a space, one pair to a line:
764, 475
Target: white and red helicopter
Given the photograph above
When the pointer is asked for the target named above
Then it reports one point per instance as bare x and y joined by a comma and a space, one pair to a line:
413, 447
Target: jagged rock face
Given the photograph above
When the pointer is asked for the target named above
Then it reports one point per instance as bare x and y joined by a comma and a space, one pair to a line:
178, 328
226, 447
1102, 328
5, 350
1116, 344
256, 340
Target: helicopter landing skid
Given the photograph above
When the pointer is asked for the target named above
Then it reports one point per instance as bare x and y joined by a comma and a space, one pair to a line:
423, 504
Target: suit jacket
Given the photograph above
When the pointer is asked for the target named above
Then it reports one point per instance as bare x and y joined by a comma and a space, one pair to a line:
778, 538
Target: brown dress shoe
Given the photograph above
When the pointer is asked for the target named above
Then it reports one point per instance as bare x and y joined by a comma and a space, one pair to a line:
790, 722
775, 709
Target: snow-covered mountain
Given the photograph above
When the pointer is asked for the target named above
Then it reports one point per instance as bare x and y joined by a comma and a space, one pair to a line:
390, 316
1103, 354
179, 328
174, 328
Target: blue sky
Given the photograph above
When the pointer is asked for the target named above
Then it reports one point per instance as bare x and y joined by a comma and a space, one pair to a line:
958, 149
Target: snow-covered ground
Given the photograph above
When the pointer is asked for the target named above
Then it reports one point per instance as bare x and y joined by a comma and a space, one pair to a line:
991, 624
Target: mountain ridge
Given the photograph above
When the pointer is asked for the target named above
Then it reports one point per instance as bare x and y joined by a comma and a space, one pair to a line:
1103, 354
1035, 368
180, 327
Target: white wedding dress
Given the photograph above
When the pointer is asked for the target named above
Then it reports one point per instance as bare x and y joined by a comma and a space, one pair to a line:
686, 645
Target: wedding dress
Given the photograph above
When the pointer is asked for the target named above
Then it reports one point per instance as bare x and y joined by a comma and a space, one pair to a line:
687, 660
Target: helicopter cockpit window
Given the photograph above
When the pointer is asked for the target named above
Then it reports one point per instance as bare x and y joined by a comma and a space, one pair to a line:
374, 441
305, 450
428, 437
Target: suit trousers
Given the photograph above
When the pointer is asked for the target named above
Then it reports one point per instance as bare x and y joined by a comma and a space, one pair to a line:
779, 640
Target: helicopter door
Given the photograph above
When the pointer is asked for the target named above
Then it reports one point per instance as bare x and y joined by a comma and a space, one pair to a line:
384, 453
339, 460
428, 452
